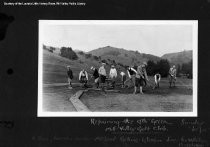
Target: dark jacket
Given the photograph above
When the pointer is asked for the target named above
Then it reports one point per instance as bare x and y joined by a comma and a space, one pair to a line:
70, 74
95, 74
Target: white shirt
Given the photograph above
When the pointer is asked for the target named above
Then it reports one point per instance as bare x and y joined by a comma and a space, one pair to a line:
83, 74
156, 78
122, 73
113, 72
132, 70
102, 71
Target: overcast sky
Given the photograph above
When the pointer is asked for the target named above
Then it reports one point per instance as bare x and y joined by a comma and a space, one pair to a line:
150, 39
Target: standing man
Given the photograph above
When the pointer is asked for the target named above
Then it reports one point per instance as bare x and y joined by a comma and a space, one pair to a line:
95, 76
172, 75
83, 78
123, 79
157, 77
131, 74
140, 77
113, 75
102, 75
70, 76
145, 74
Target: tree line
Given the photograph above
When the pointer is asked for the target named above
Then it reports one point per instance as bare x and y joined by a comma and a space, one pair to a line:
185, 69
162, 67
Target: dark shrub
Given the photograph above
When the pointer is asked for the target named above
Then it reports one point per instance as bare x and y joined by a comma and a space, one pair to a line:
67, 52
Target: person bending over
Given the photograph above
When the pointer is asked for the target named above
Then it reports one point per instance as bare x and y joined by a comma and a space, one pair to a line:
83, 78
131, 75
95, 76
157, 77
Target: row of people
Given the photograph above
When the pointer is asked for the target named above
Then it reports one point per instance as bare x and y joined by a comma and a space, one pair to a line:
138, 76
96, 74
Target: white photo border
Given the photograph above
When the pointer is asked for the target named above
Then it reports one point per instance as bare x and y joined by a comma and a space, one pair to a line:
194, 23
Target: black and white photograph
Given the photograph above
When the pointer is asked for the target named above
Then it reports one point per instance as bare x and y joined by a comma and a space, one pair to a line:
113, 73
117, 68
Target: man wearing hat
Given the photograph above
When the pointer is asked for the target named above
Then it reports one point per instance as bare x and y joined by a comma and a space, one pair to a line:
70, 76
141, 76
102, 74
113, 75
172, 75
145, 73
95, 76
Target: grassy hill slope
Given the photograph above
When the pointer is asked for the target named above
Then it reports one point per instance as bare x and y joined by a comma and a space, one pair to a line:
55, 71
179, 57
123, 56
54, 67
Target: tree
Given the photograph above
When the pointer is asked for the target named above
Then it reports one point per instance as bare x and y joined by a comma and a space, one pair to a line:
104, 61
88, 56
178, 70
187, 69
67, 52
52, 49
163, 67
95, 58
44, 47
151, 67
81, 53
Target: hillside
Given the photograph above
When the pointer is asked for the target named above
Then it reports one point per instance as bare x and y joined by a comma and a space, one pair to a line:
123, 56
179, 57
54, 67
